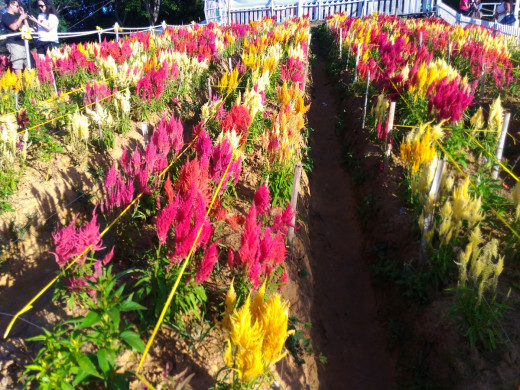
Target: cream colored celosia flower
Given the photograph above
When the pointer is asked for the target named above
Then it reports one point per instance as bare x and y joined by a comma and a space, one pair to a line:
381, 108
477, 120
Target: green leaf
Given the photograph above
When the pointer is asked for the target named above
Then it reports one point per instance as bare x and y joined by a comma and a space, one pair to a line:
115, 316
103, 361
129, 305
87, 366
66, 386
133, 339
80, 377
91, 319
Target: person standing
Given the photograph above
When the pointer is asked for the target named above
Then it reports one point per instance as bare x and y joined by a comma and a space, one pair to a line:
47, 28
504, 12
13, 20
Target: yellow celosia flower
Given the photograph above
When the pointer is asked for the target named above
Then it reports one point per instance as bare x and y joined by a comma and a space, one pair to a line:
417, 148
496, 116
257, 334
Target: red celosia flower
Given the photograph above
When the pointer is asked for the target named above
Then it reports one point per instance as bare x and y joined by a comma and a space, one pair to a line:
237, 119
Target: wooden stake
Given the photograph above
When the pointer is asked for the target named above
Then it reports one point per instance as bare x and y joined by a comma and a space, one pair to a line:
500, 146
388, 139
357, 61
366, 100
428, 218
294, 203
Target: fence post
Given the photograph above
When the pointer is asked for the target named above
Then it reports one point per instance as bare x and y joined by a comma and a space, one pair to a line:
432, 197
388, 145
300, 8
366, 101
500, 146
294, 202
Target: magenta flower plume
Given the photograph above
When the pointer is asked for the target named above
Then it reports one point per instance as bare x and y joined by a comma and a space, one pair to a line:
65, 241
207, 264
165, 219
262, 199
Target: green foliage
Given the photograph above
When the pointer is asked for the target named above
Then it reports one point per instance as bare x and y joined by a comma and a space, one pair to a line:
83, 350
280, 183
478, 317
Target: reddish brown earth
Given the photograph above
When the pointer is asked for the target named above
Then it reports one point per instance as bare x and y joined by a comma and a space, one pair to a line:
344, 311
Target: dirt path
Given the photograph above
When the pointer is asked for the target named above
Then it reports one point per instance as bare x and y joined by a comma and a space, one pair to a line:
344, 312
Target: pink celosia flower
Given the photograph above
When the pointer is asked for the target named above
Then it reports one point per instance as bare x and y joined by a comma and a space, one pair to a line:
207, 264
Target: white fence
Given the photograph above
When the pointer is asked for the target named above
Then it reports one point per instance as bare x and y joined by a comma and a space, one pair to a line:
230, 11
453, 17
244, 11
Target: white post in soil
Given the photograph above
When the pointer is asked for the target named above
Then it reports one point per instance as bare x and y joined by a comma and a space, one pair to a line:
420, 38
144, 130
357, 61
294, 202
366, 100
209, 90
388, 139
99, 119
99, 36
230, 65
428, 217
16, 101
27, 53
180, 81
500, 146
340, 43
54, 83
483, 79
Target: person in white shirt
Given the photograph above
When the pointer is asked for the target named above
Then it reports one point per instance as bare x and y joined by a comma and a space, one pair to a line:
47, 28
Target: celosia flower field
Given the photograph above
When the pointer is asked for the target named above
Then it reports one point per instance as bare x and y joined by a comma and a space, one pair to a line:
172, 230
434, 73
179, 184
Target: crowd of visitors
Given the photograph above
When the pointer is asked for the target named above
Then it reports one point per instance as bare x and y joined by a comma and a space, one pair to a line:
503, 12
15, 18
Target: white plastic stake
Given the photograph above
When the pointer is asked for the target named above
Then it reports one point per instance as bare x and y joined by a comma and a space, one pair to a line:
230, 65
99, 36
501, 143
180, 82
366, 101
99, 122
432, 197
483, 79
340, 43
16, 101
420, 38
117, 35
54, 83
357, 61
27, 53
144, 130
294, 203
209, 90
388, 139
